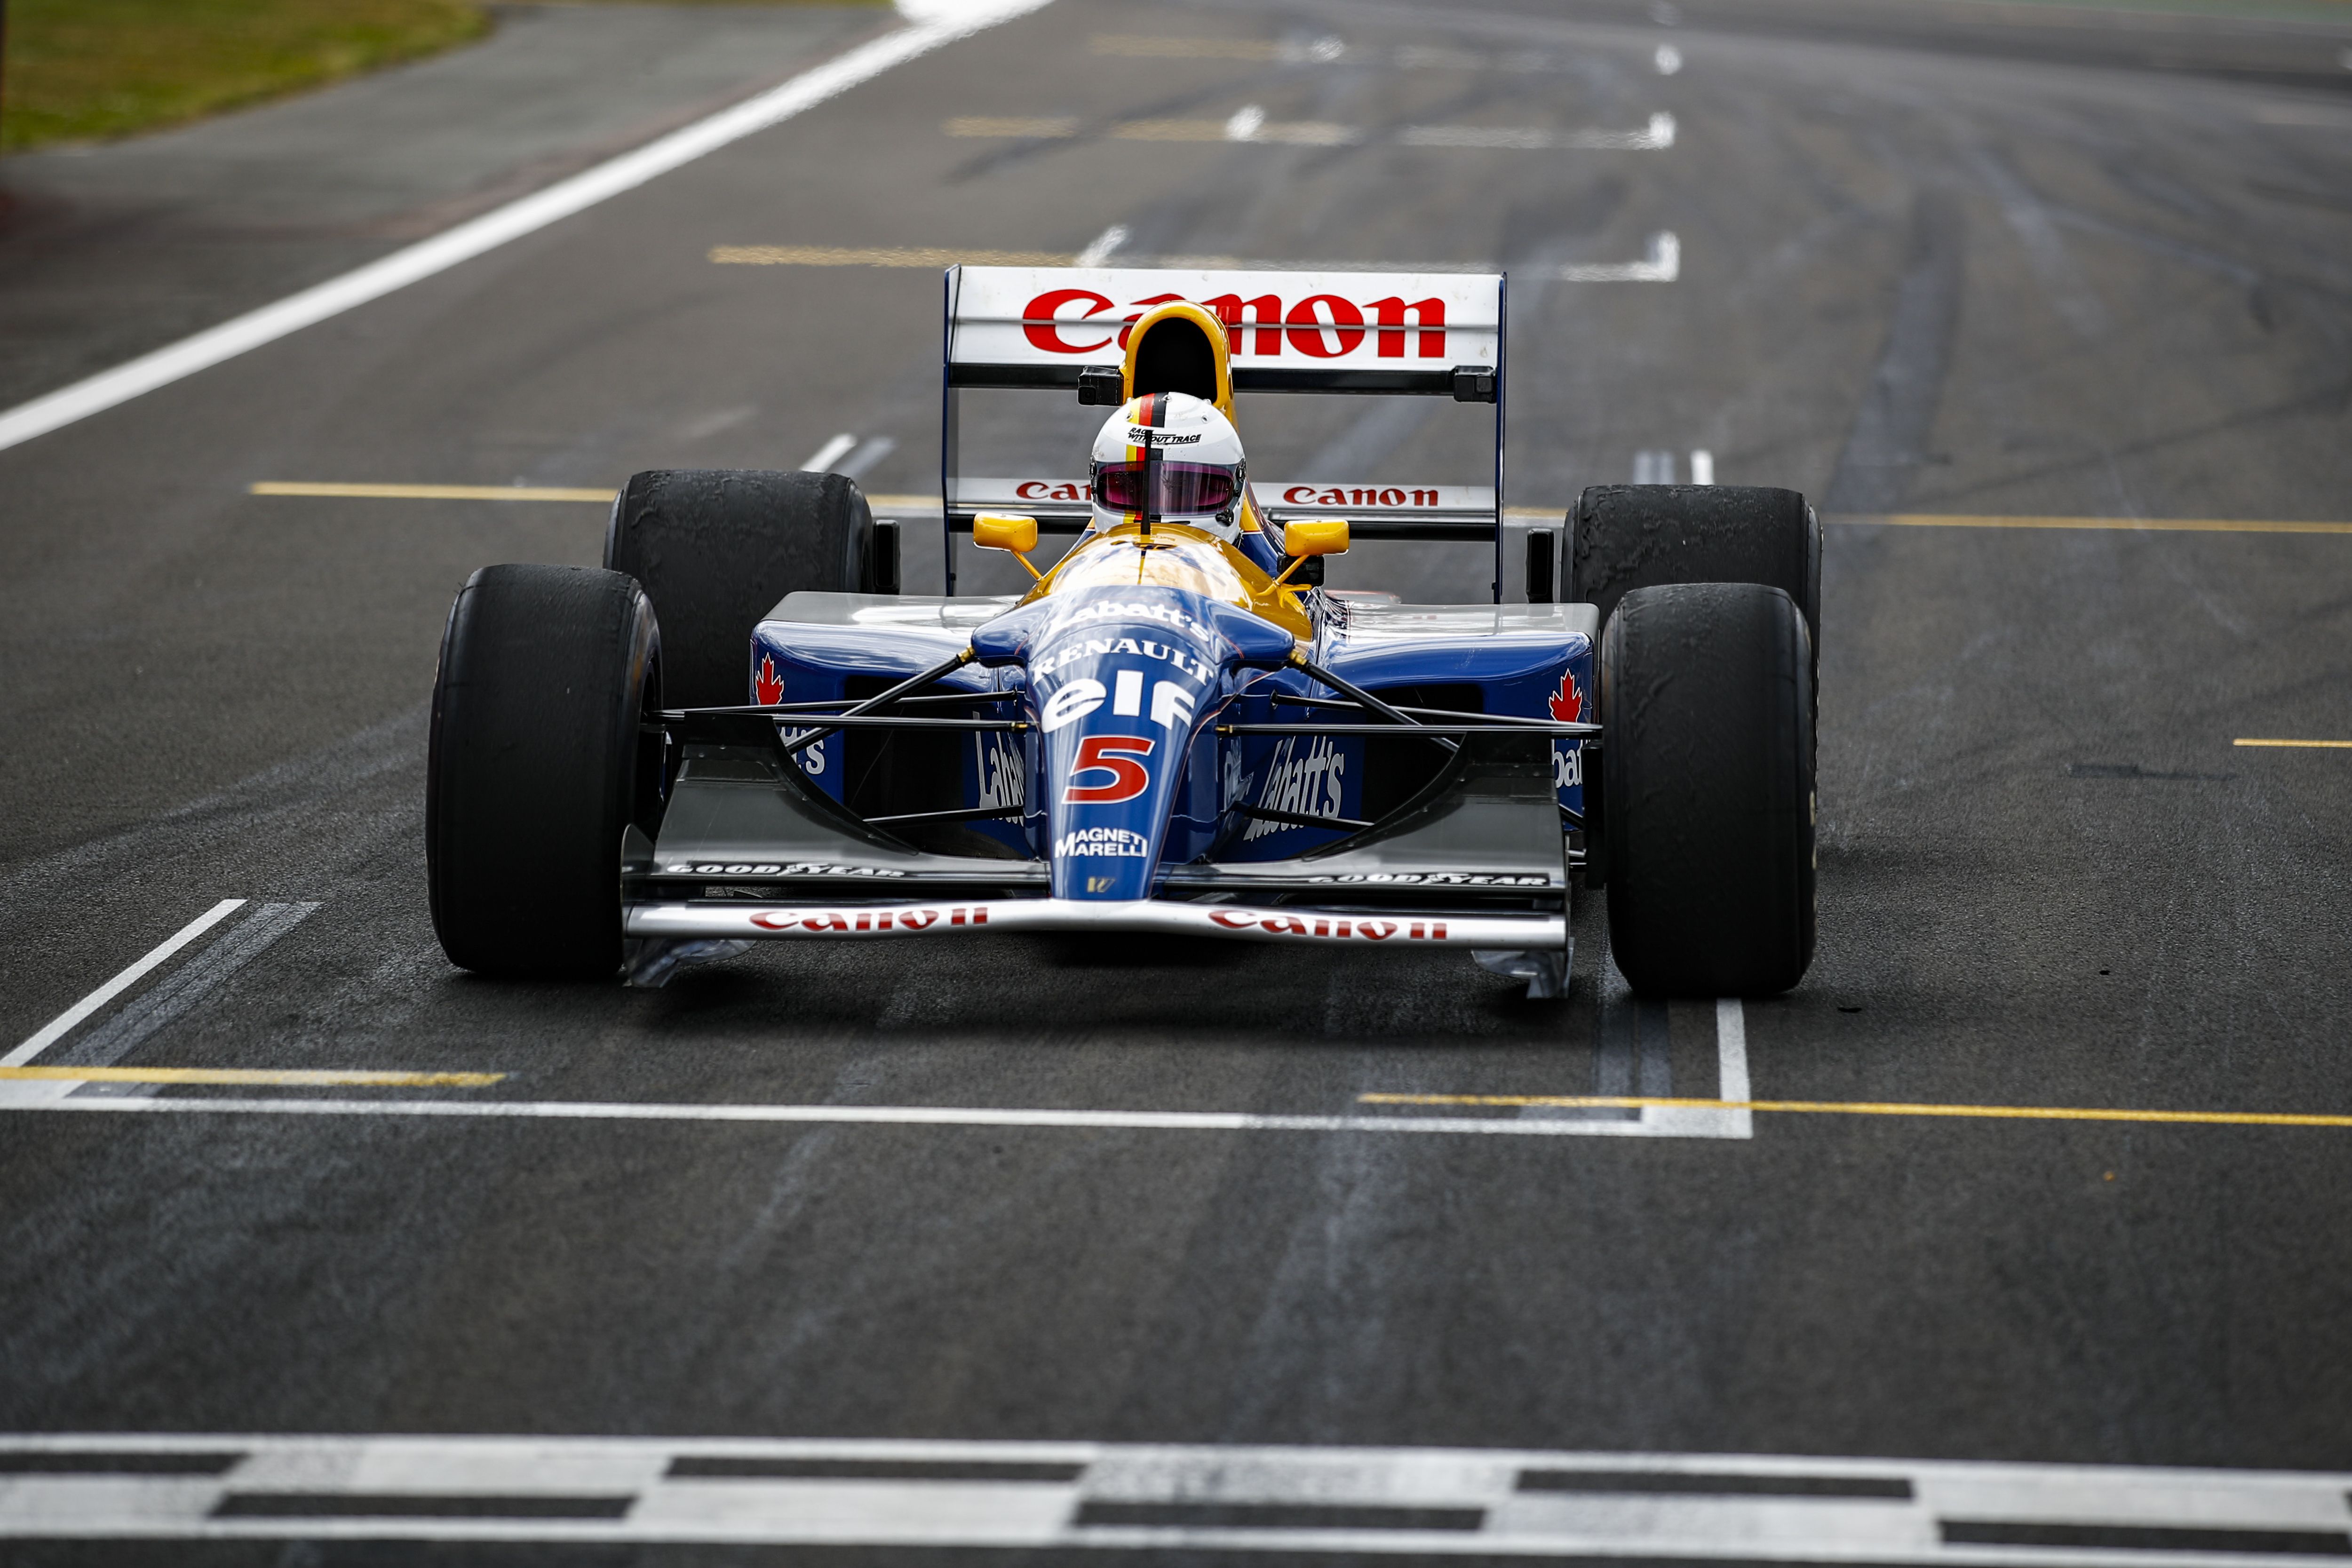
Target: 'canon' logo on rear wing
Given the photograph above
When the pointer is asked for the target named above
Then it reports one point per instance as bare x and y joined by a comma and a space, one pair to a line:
1035, 315
1278, 497
1321, 326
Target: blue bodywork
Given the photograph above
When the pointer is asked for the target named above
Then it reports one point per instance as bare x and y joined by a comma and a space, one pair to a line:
1122, 774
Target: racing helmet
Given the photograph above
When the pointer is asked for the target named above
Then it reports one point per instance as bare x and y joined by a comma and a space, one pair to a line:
1169, 457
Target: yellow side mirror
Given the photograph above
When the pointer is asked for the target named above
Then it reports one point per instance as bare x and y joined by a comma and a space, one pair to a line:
1311, 536
1004, 531
1008, 530
1315, 536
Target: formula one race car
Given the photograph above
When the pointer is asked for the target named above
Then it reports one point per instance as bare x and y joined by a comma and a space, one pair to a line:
740, 731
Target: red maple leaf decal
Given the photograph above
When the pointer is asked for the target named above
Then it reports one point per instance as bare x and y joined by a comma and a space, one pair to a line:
1567, 701
767, 686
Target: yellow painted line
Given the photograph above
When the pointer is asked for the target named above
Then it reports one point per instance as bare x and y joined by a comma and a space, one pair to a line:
899, 255
304, 1076
2329, 745
1133, 47
1877, 1108
1171, 131
428, 492
2148, 525
981, 125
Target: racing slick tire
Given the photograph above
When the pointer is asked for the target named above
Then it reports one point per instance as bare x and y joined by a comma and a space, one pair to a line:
716, 549
1707, 769
547, 673
1639, 536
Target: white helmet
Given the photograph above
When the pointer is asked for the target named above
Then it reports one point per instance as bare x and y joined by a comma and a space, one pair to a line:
1170, 457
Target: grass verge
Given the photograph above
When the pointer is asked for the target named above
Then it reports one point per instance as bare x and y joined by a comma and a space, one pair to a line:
81, 70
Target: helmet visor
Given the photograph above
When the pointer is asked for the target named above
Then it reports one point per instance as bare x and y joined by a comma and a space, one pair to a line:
1164, 488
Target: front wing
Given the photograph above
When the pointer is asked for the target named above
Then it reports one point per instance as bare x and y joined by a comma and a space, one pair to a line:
740, 923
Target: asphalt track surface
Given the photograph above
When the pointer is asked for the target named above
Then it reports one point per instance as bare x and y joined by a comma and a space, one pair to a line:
1920, 273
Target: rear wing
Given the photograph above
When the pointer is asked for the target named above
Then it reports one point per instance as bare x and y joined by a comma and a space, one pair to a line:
1436, 334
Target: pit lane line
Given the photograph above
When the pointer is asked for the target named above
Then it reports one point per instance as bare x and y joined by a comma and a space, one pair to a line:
947, 22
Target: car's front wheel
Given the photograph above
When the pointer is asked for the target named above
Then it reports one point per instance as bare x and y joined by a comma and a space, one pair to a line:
1708, 775
547, 676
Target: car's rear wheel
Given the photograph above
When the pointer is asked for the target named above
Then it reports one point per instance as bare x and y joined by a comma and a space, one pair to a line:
1707, 773
547, 673
1643, 536
716, 549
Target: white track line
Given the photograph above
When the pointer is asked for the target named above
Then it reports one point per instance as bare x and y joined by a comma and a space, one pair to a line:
1668, 1121
56, 1028
1731, 1065
1654, 1122
1105, 243
824, 457
514, 221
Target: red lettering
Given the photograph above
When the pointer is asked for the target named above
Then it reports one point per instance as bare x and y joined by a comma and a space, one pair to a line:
828, 922
1229, 920
1392, 498
1030, 490
1289, 926
1115, 755
1332, 498
1041, 322
1298, 495
768, 920
1366, 498
1424, 498
1265, 308
1431, 315
979, 916
1070, 492
1307, 329
1378, 931
917, 919
1437, 930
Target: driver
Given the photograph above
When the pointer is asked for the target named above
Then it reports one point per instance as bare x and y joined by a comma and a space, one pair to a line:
1169, 457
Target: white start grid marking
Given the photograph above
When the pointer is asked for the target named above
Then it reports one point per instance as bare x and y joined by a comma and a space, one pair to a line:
1736, 1508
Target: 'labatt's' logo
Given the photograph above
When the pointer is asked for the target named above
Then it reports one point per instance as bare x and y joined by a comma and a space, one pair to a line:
1320, 326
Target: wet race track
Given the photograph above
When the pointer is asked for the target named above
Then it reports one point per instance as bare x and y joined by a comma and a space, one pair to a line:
1194, 1249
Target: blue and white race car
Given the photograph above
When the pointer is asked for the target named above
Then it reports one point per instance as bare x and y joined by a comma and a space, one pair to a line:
738, 730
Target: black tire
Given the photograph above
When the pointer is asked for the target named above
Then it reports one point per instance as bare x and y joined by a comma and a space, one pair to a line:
716, 550
1707, 769
534, 773
1642, 536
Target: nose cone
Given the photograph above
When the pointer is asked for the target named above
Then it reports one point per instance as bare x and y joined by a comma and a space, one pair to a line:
1120, 683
